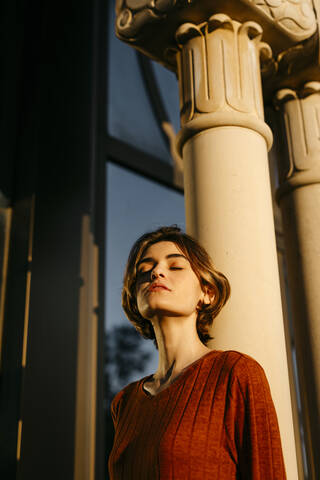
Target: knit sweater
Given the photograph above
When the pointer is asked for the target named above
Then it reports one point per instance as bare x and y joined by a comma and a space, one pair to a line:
215, 421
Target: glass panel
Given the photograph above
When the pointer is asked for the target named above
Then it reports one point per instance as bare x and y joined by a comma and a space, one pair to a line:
129, 112
135, 205
169, 88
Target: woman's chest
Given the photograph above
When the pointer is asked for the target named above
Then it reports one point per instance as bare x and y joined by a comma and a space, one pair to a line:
177, 435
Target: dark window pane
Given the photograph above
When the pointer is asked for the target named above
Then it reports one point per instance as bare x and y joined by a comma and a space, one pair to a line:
129, 111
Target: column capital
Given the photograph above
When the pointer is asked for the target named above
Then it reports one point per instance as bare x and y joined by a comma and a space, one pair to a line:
150, 25
286, 21
286, 94
290, 27
301, 115
218, 63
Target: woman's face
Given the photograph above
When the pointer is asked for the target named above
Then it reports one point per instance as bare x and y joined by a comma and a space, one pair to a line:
166, 283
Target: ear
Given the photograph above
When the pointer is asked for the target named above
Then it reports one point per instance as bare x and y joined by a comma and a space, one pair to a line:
208, 294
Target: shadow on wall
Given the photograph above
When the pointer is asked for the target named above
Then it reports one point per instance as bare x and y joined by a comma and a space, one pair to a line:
124, 357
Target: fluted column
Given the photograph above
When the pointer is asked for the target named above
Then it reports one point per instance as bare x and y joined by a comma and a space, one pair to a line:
299, 199
224, 142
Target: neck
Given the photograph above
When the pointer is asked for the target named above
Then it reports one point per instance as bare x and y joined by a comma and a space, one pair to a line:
178, 345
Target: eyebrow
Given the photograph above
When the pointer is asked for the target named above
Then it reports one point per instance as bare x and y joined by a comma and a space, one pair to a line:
171, 255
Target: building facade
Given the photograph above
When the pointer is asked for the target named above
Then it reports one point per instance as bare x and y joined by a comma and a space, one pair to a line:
211, 121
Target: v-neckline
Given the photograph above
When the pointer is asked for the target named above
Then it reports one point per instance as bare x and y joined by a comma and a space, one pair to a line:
174, 382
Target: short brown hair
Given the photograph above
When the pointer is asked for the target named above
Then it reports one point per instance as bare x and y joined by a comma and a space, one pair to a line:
201, 264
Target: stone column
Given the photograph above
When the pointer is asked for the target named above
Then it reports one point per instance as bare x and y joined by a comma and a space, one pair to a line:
224, 142
299, 199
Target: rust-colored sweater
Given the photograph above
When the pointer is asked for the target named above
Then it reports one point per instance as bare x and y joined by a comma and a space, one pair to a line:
215, 421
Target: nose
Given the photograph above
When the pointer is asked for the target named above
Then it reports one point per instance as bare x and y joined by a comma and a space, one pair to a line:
157, 272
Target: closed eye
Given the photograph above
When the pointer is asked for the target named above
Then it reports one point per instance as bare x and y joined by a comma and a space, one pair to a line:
141, 272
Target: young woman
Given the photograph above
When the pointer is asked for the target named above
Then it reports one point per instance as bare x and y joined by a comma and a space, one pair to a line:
204, 414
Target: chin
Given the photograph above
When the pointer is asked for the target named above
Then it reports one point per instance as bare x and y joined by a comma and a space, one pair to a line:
164, 310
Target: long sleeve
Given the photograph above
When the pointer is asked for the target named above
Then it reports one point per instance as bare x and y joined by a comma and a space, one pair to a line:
252, 424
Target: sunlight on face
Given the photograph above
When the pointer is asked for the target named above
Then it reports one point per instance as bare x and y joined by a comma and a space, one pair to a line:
166, 283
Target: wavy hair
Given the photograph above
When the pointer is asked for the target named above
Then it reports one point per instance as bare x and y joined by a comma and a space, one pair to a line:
200, 262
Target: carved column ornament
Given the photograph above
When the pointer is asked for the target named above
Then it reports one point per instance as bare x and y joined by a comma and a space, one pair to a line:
301, 114
294, 19
290, 27
219, 76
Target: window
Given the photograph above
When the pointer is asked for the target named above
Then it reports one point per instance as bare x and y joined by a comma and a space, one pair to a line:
131, 111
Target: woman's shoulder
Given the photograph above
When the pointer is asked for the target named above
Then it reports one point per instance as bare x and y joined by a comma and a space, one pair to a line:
125, 391
124, 394
238, 372
234, 357
246, 374
236, 364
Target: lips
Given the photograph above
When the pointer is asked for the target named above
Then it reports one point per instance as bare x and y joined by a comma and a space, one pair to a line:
157, 286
